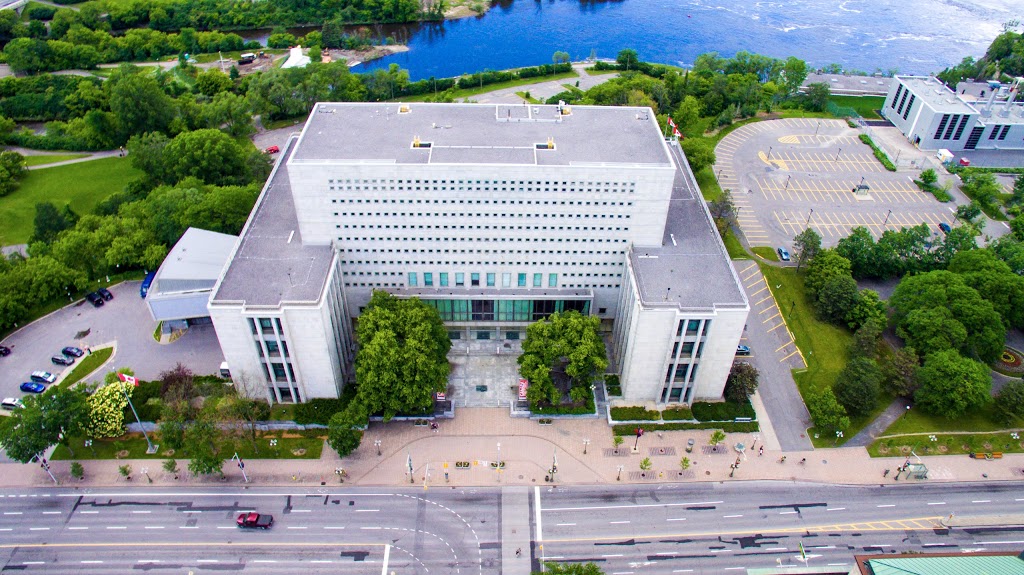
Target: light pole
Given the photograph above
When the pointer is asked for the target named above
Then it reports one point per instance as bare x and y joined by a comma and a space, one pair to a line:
46, 467
788, 178
837, 154
241, 465
886, 218
497, 463
586, 442
817, 128
619, 476
839, 435
554, 464
145, 471
806, 225
122, 378
769, 153
376, 443
408, 463
733, 467
907, 412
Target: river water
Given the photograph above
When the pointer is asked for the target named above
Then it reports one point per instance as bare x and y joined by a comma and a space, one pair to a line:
911, 36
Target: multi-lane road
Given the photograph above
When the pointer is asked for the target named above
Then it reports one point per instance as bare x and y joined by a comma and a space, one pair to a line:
691, 528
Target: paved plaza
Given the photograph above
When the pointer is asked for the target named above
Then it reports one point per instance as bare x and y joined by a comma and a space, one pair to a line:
787, 175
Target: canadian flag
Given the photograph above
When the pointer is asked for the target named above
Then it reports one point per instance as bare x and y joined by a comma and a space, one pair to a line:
671, 123
675, 131
128, 379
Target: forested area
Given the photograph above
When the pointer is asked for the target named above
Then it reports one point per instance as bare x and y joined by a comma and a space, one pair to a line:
1003, 60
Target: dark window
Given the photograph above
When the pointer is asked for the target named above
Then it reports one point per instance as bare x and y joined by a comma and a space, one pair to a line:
252, 325
960, 128
903, 100
995, 132
675, 349
266, 326
942, 125
692, 327
278, 371
1006, 130
483, 310
687, 348
455, 335
575, 304
474, 280
543, 308
896, 97
707, 325
951, 126
273, 349
909, 106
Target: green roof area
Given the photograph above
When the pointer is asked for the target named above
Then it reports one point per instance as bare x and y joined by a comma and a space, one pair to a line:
975, 565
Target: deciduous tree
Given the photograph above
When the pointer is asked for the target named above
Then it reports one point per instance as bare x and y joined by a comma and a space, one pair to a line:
858, 384
900, 372
741, 383
806, 244
827, 413
1010, 401
950, 385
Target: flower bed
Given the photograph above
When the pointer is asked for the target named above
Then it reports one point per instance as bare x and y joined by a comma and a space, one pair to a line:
634, 413
1011, 362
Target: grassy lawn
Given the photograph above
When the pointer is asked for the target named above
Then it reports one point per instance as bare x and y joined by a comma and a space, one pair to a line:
285, 122
86, 365
593, 72
283, 412
492, 87
767, 253
82, 185
526, 96
286, 448
947, 444
864, 105
917, 421
41, 160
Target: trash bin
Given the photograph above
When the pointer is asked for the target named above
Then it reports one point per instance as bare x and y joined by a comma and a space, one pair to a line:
689, 446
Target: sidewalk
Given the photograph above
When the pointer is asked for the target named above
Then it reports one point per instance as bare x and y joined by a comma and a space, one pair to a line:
528, 449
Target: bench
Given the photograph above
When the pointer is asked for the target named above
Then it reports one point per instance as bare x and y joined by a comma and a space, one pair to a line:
987, 456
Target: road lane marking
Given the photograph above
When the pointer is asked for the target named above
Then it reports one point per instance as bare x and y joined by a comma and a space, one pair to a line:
387, 554
12, 512
676, 519
333, 527
297, 527
565, 524
982, 501
89, 512
207, 561
32, 562
617, 522
153, 527
613, 555
265, 561
638, 506
148, 561
225, 527
367, 510
321, 561
682, 570
306, 510
117, 527
187, 527
77, 528
787, 512
141, 511
38, 528
90, 562
936, 503
51, 512
370, 528
836, 509
536, 503
731, 516
999, 542
776, 549
888, 505
190, 511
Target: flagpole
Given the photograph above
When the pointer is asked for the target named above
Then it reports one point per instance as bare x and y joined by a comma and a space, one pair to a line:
150, 449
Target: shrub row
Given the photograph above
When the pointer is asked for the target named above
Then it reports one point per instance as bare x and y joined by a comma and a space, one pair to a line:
318, 410
585, 409
879, 154
634, 413
677, 413
940, 194
953, 169
721, 410
727, 426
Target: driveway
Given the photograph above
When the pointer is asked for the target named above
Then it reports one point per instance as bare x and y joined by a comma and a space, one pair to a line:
124, 322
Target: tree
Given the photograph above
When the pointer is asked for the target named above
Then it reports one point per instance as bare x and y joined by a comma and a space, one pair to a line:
857, 386
12, 168
795, 72
938, 310
869, 308
345, 429
1018, 191
825, 264
859, 250
22, 435
402, 360
627, 58
827, 413
559, 57
211, 156
146, 152
867, 339
107, 405
723, 211
969, 213
950, 385
837, 298
816, 97
806, 244
568, 343
77, 471
687, 114
741, 383
645, 464
553, 568
900, 372
171, 466
51, 221
1010, 401
981, 187
928, 177
138, 103
202, 444
125, 471
699, 153
994, 281
617, 441
65, 412
212, 82
717, 437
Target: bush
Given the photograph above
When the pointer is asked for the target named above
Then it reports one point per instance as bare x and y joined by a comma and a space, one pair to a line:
568, 409
879, 154
726, 426
721, 410
634, 413
677, 413
41, 12
319, 410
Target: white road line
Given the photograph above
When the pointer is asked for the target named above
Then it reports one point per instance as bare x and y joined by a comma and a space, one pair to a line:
889, 505
190, 511
837, 564
565, 524
682, 570
935, 544
982, 501
617, 522
148, 561
153, 527
787, 512
667, 553
387, 554
821, 546
676, 519
596, 507
936, 503
301, 510
141, 511
776, 549
225, 527
264, 561
117, 527
836, 509
616, 555
51, 512
90, 562
367, 510
38, 528
733, 568
77, 528
12, 512
720, 550
730, 516
207, 561
32, 562
187, 527
333, 527
370, 528
297, 527
321, 561
999, 542
6, 529
89, 512
536, 503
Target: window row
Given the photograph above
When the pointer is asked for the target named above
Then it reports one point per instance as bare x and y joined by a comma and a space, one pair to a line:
459, 239
484, 202
400, 181
504, 310
692, 327
475, 278
397, 285
352, 263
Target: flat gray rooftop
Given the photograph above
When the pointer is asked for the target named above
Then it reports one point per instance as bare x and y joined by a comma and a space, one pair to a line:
936, 95
854, 85
470, 134
271, 265
690, 269
195, 262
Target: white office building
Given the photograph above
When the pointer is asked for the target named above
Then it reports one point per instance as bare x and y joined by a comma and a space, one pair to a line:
496, 215
933, 117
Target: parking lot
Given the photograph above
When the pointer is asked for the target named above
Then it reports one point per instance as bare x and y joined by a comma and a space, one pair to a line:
124, 322
787, 175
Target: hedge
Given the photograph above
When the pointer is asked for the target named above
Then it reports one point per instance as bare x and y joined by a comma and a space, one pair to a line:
722, 410
634, 413
727, 426
320, 410
879, 154
586, 409
677, 413
939, 193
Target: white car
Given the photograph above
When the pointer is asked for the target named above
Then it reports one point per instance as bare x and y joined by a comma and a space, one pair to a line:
11, 403
43, 377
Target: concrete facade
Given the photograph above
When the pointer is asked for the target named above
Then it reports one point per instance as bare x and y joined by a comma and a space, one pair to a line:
934, 117
497, 216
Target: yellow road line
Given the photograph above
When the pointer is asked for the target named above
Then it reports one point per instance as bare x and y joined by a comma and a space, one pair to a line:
796, 351
777, 314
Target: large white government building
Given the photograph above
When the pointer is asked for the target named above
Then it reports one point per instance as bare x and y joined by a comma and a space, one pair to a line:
496, 215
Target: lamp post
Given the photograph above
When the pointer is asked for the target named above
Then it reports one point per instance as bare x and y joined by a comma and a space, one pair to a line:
554, 464
839, 435
907, 412
241, 465
376, 443
497, 463
586, 442
788, 178
145, 471
817, 128
806, 225
122, 379
619, 476
886, 219
769, 153
837, 154
733, 467
46, 467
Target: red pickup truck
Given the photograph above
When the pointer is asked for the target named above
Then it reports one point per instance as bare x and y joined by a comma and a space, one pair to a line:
255, 521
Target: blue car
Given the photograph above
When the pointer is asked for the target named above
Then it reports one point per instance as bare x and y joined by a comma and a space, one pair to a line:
783, 254
31, 387
945, 227
144, 288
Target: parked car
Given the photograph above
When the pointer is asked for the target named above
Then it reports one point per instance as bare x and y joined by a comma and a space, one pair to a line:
148, 281
31, 387
11, 403
783, 254
72, 351
4, 351
43, 377
95, 299
742, 350
105, 293
945, 227
62, 360
254, 521
273, 150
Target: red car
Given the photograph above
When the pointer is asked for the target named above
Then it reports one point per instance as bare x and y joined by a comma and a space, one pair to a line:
272, 150
254, 521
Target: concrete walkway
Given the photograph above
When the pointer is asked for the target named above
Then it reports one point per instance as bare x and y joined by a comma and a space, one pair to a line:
877, 427
529, 450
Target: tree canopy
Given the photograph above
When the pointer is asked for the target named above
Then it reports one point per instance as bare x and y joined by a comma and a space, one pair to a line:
950, 385
568, 341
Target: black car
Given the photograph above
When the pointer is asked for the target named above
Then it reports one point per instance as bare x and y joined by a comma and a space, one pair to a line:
4, 351
62, 360
105, 293
95, 299
72, 351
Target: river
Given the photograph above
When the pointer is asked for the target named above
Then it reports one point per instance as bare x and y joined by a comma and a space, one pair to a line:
911, 36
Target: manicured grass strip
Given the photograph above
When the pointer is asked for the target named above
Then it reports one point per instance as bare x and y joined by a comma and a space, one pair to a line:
83, 185
496, 86
767, 253
135, 444
917, 421
87, 364
593, 72
41, 160
864, 105
947, 444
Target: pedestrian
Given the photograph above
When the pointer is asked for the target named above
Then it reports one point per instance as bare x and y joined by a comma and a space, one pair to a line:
519, 551
886, 473
760, 451
88, 350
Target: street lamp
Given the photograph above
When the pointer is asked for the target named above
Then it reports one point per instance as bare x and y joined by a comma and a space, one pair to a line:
769, 152
806, 225
817, 128
886, 219
497, 463
619, 476
145, 471
907, 412
837, 154
839, 435
122, 379
733, 467
788, 178
586, 442
376, 443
